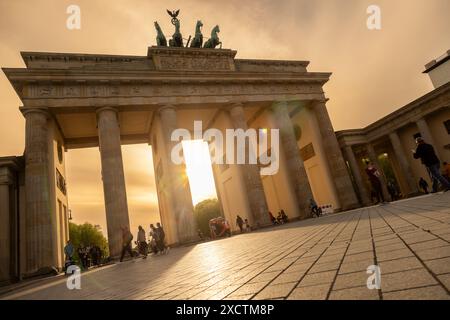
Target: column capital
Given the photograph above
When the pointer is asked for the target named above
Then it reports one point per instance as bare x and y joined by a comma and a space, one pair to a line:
28, 111
231, 107
109, 108
166, 107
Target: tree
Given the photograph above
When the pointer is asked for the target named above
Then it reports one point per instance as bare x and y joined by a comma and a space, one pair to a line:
205, 211
86, 234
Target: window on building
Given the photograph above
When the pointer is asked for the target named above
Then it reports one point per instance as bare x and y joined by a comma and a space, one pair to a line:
60, 182
447, 126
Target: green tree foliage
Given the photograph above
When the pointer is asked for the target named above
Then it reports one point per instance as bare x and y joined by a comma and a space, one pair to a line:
205, 211
86, 234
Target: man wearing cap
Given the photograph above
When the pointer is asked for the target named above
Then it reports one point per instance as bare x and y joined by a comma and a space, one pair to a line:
425, 152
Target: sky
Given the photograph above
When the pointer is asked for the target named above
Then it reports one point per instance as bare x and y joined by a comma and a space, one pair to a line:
374, 71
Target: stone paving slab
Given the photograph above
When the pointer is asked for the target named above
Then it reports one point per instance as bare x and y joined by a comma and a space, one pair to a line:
322, 258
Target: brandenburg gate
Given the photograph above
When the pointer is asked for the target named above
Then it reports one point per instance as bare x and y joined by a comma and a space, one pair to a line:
75, 101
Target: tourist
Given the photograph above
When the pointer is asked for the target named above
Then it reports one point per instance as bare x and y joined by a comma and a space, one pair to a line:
200, 234
425, 152
240, 223
212, 228
392, 189
272, 218
161, 242
423, 185
127, 237
82, 255
284, 216
69, 250
142, 242
280, 218
94, 254
155, 239
315, 210
248, 228
374, 178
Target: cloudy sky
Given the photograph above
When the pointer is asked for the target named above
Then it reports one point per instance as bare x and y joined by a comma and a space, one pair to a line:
374, 72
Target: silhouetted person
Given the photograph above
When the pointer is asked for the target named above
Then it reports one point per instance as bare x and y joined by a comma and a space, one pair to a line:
423, 185
248, 228
272, 218
161, 242
240, 223
284, 216
315, 210
374, 178
82, 255
392, 189
127, 237
142, 242
69, 250
425, 152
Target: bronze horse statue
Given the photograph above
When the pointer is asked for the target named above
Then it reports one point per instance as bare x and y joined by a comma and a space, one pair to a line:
197, 42
160, 38
214, 40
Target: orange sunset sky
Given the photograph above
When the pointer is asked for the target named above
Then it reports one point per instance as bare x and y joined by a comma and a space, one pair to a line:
374, 72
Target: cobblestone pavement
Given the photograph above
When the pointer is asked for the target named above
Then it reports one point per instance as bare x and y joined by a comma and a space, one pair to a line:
322, 258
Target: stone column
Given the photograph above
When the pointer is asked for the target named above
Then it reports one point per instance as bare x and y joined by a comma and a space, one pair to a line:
5, 236
335, 160
251, 173
294, 162
38, 222
405, 168
113, 177
374, 159
426, 134
365, 198
180, 194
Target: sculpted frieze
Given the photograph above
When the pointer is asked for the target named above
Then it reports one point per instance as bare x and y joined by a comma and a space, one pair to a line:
169, 89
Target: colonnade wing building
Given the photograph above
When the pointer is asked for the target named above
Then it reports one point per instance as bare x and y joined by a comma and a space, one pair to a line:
79, 100
388, 142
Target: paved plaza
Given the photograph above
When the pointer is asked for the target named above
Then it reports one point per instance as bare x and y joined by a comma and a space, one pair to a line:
322, 258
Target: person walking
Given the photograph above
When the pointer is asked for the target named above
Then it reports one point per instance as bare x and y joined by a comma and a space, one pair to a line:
272, 218
425, 152
315, 210
142, 242
423, 185
69, 250
127, 237
374, 178
161, 239
240, 223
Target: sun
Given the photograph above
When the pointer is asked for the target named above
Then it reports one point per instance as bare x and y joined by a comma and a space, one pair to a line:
199, 170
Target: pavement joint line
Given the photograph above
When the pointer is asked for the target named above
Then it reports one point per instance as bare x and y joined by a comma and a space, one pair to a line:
345, 253
417, 226
48, 285
408, 209
329, 226
299, 257
345, 220
420, 260
295, 241
380, 293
